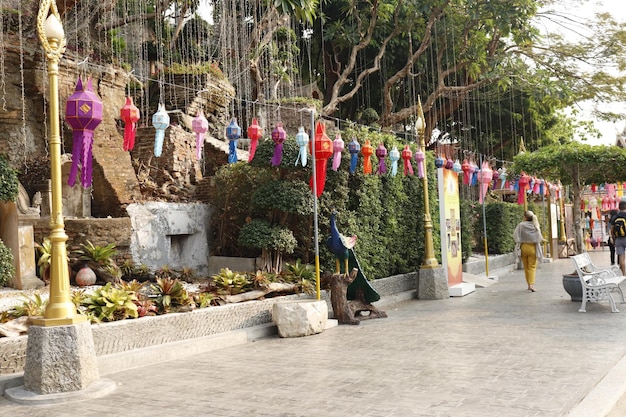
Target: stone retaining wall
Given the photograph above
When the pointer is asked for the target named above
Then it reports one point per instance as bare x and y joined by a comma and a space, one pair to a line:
128, 335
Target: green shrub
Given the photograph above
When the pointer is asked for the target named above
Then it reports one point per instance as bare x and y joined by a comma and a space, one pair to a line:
9, 185
7, 269
501, 219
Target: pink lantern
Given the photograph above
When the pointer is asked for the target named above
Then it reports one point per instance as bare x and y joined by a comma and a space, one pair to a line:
338, 146
254, 134
523, 182
130, 115
420, 157
484, 178
199, 125
83, 112
278, 136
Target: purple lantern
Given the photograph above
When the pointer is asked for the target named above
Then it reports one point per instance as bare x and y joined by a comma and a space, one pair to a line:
83, 112
381, 153
278, 136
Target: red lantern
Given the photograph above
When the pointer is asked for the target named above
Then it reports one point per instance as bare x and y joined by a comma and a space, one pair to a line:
254, 134
407, 155
323, 149
367, 150
467, 172
130, 115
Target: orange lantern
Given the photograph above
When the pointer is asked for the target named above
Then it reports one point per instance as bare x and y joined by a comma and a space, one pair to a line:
367, 151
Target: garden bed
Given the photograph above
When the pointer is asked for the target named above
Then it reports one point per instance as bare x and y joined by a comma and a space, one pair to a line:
118, 343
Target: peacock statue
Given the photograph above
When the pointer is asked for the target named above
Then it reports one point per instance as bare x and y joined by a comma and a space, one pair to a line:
343, 248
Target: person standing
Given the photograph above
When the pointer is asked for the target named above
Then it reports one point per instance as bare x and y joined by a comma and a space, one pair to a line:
528, 239
610, 243
618, 233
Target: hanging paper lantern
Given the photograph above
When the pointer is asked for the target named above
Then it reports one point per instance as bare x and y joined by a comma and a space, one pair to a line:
367, 150
199, 125
254, 134
338, 147
130, 115
439, 162
407, 155
302, 140
160, 121
278, 137
475, 169
381, 153
420, 157
322, 151
394, 157
467, 172
594, 188
449, 164
523, 182
456, 167
484, 177
354, 148
233, 132
503, 177
83, 112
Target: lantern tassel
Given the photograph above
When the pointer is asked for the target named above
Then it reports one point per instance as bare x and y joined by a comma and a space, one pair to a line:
77, 146
158, 142
253, 143
199, 145
130, 130
336, 160
87, 159
277, 158
302, 155
320, 176
354, 158
232, 151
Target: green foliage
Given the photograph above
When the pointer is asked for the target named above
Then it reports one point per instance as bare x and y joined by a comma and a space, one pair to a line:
501, 221
34, 306
468, 223
7, 269
301, 270
102, 255
109, 303
9, 186
230, 282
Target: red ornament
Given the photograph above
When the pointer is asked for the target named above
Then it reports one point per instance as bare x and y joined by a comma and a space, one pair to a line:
367, 150
323, 149
130, 115
254, 134
407, 155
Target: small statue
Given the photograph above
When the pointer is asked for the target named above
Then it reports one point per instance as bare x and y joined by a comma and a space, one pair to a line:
24, 207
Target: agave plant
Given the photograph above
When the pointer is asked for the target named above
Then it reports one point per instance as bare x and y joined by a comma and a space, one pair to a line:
102, 255
109, 303
170, 293
31, 307
230, 282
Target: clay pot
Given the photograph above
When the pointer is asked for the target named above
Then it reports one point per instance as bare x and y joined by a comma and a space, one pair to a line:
85, 277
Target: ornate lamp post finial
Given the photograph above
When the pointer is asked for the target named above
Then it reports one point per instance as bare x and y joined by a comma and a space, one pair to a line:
429, 253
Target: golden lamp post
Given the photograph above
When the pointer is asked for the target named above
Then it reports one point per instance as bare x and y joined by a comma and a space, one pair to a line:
60, 310
429, 253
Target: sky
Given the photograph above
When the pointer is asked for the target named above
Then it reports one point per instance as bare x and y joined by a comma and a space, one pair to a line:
582, 8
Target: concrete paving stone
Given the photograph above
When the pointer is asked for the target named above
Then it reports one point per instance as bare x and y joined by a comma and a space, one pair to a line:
501, 351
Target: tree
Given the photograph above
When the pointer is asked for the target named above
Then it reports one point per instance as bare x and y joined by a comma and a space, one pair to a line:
577, 165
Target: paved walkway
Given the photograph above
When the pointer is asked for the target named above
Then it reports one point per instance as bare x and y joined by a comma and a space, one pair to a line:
499, 352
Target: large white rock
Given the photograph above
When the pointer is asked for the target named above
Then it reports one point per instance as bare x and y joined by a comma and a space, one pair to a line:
295, 318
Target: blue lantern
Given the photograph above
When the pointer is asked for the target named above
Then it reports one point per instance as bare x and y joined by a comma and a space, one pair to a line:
233, 132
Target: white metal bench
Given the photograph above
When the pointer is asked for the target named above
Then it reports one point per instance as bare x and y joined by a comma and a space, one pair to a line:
597, 283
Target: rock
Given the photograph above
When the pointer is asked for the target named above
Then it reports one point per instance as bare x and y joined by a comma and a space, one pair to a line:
295, 318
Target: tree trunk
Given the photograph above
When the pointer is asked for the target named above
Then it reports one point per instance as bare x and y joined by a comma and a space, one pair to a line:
576, 194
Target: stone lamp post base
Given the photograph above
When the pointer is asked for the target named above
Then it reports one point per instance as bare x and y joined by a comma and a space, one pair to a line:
61, 366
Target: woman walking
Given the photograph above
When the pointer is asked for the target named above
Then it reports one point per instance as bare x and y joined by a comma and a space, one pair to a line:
528, 239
